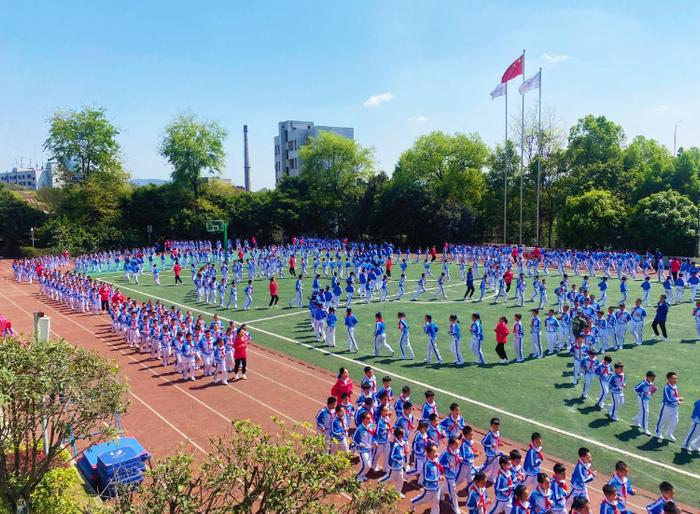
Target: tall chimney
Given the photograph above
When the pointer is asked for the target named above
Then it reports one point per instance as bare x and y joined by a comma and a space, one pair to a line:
246, 159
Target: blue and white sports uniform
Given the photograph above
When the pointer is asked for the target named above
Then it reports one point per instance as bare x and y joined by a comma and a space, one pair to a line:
692, 440
668, 416
477, 333
644, 390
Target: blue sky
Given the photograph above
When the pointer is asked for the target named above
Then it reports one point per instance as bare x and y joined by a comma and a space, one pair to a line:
261, 62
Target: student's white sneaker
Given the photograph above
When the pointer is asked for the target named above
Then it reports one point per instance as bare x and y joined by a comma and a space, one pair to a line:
237, 376
244, 377
670, 437
646, 432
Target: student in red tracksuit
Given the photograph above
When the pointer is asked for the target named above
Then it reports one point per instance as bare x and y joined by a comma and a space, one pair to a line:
240, 352
502, 332
177, 269
274, 290
292, 266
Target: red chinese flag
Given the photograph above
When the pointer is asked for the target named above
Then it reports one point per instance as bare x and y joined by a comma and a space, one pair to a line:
513, 70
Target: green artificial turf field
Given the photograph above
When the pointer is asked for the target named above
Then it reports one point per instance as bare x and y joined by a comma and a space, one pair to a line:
536, 395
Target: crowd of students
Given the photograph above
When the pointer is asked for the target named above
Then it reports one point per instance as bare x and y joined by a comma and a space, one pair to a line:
441, 453
442, 450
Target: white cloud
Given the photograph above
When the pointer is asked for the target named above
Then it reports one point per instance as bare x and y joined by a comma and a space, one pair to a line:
552, 59
377, 100
418, 119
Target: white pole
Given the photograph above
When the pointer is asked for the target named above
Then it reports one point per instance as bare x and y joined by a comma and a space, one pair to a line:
505, 176
539, 159
675, 133
522, 152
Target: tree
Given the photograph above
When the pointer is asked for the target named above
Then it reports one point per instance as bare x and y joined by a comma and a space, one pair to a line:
82, 142
193, 148
686, 176
667, 220
450, 166
17, 217
251, 471
591, 220
54, 385
594, 158
650, 165
336, 169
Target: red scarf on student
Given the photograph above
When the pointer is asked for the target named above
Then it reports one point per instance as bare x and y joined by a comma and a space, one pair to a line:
539, 452
482, 498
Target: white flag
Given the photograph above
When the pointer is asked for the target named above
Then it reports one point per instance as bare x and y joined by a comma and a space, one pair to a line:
499, 91
530, 84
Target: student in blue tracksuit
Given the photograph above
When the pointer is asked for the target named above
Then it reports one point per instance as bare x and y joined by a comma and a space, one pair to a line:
431, 331
667, 494
455, 332
418, 447
467, 470
339, 430
450, 462
432, 475
620, 481
582, 475
477, 499
603, 371
397, 460
380, 335
535, 331
503, 487
404, 341
492, 449
617, 385
559, 490
541, 496
533, 460
350, 322
668, 416
454, 423
645, 389
363, 440
609, 504
324, 420
660, 317
477, 332
692, 440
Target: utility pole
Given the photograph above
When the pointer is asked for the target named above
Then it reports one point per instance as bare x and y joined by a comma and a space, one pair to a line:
31, 230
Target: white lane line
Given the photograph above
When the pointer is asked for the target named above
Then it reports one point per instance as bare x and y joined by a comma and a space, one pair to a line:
462, 398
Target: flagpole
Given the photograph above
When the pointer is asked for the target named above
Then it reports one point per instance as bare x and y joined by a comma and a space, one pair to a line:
522, 151
505, 175
539, 159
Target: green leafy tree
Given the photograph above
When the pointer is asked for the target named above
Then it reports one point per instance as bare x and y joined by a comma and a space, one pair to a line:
450, 166
17, 217
591, 220
686, 176
667, 220
594, 157
193, 148
336, 169
650, 164
251, 471
82, 142
54, 385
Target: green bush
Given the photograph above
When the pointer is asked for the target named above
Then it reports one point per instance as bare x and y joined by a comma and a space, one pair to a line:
56, 492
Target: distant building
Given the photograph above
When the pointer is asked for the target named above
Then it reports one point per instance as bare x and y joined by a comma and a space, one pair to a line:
292, 136
33, 178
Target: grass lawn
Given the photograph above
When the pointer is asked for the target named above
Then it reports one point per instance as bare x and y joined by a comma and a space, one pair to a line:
533, 396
